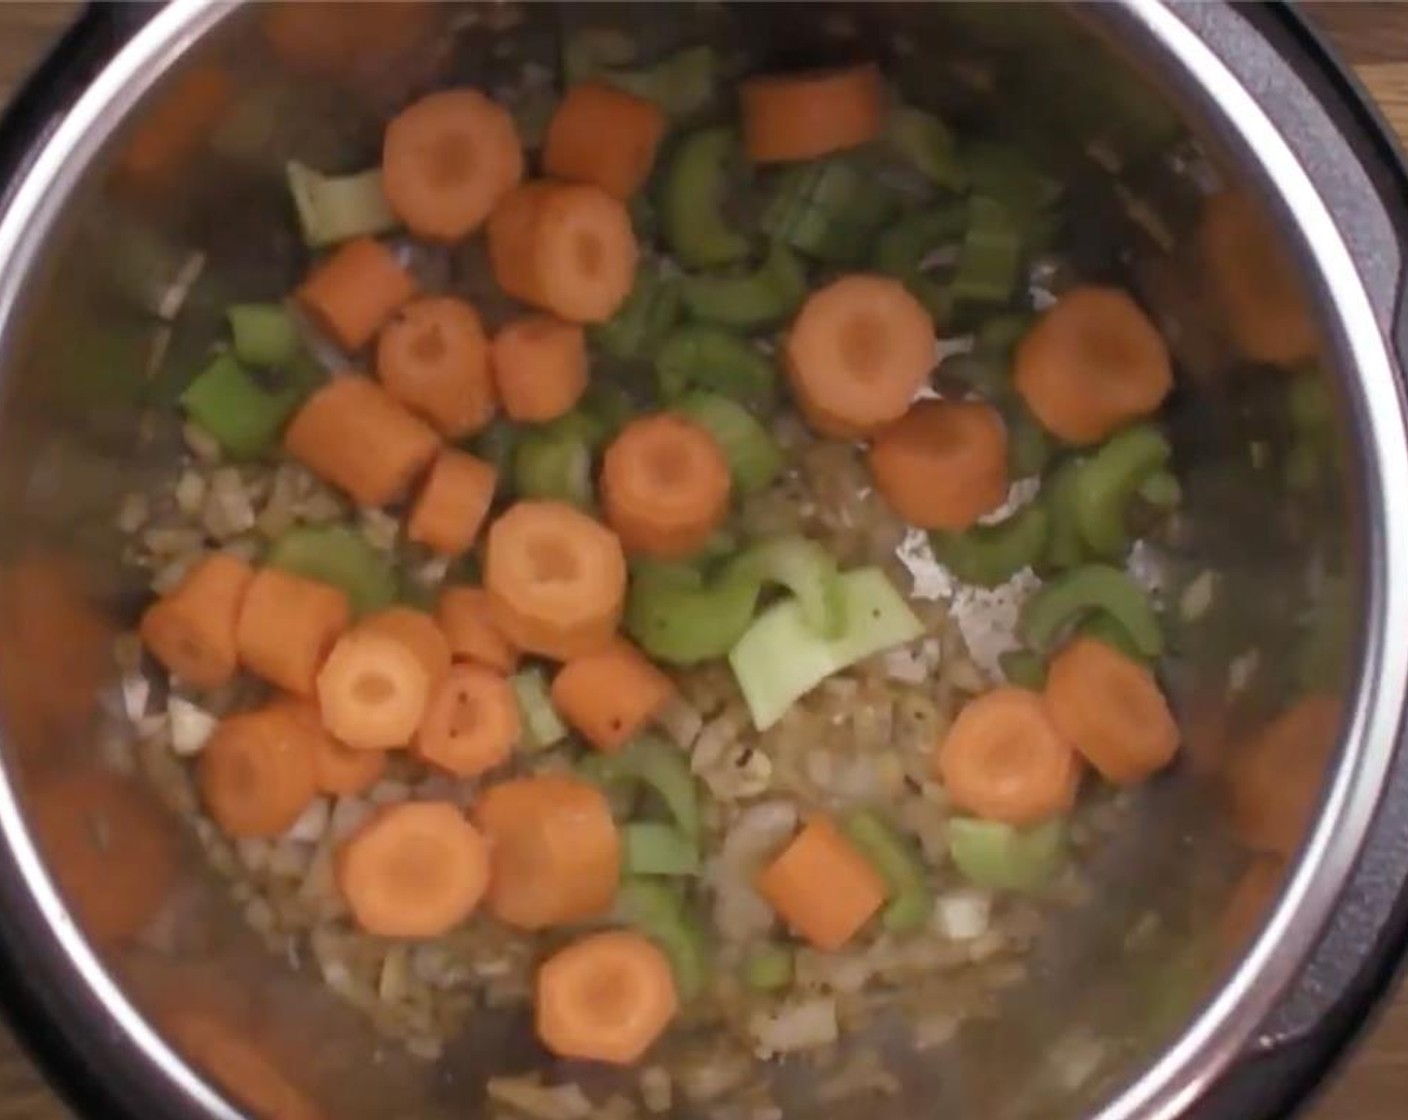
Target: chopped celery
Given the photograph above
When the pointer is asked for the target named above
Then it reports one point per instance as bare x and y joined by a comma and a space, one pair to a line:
753, 457
897, 860
264, 334
806, 569
831, 209
989, 555
780, 656
996, 855
230, 404
662, 768
657, 909
1067, 598
1023, 668
335, 208
1006, 174
1028, 446
768, 294
1161, 490
342, 557
1065, 548
767, 967
656, 848
702, 357
554, 465
541, 726
1109, 480
639, 325
990, 260
694, 196
926, 142
901, 249
682, 84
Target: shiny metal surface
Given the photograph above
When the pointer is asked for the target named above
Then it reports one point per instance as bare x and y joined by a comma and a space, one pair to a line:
91, 243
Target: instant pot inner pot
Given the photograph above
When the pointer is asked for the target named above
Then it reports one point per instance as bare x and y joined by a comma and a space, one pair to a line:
183, 210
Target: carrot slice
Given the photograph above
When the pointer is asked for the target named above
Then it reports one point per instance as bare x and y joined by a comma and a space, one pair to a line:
415, 870
373, 689
446, 161
256, 773
567, 248
943, 464
1092, 364
540, 367
1110, 708
112, 850
172, 129
665, 486
554, 850
859, 350
286, 627
610, 695
355, 290
237, 1062
433, 357
604, 136
1255, 282
822, 887
467, 620
790, 117
191, 630
353, 434
556, 579
1004, 759
453, 504
337, 769
420, 633
471, 723
606, 998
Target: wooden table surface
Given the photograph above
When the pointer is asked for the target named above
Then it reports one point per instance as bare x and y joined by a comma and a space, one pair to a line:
1374, 36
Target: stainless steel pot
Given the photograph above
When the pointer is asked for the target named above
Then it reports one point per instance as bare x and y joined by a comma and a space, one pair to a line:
100, 296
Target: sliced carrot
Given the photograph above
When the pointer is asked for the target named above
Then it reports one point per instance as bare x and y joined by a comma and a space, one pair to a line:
417, 870
420, 633
603, 135
858, 351
540, 367
353, 434
453, 503
943, 464
111, 848
256, 773
433, 357
165, 143
802, 116
554, 850
821, 886
373, 689
241, 1065
287, 625
605, 998
567, 248
467, 620
665, 486
1255, 282
556, 580
337, 768
1005, 760
1092, 364
610, 695
355, 290
471, 722
191, 630
446, 161
1111, 709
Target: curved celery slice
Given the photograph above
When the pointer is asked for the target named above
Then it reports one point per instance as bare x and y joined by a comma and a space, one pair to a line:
1073, 594
242, 415
895, 858
339, 556
658, 765
753, 456
807, 570
657, 848
780, 656
263, 334
702, 357
996, 855
926, 142
693, 195
333, 208
657, 909
768, 967
555, 464
541, 725
768, 294
1110, 479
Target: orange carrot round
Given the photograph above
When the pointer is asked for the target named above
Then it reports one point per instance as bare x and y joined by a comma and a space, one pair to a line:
665, 486
414, 870
372, 690
540, 367
240, 1065
789, 117
556, 579
859, 350
466, 618
337, 769
610, 695
605, 998
943, 464
353, 434
447, 160
554, 850
453, 503
191, 630
567, 248
1110, 708
605, 136
420, 633
1092, 364
822, 887
256, 773
355, 290
286, 627
433, 357
471, 722
1005, 760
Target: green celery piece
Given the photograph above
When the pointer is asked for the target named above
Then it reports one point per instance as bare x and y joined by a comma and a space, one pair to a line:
926, 142
896, 858
831, 209
1070, 596
541, 725
1000, 857
342, 557
657, 909
264, 334
1023, 668
639, 325
1065, 547
333, 208
1109, 480
1006, 174
693, 196
754, 459
806, 569
1161, 490
696, 356
656, 848
902, 247
990, 555
241, 415
768, 967
661, 767
748, 301
990, 260
682, 84
780, 656
554, 465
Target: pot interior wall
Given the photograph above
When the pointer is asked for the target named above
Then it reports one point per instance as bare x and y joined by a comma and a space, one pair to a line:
1255, 573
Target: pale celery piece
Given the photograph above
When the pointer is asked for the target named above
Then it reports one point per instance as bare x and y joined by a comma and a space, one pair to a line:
657, 848
541, 726
1001, 857
333, 208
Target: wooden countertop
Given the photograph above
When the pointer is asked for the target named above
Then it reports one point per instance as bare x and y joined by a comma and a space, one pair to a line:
1374, 36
